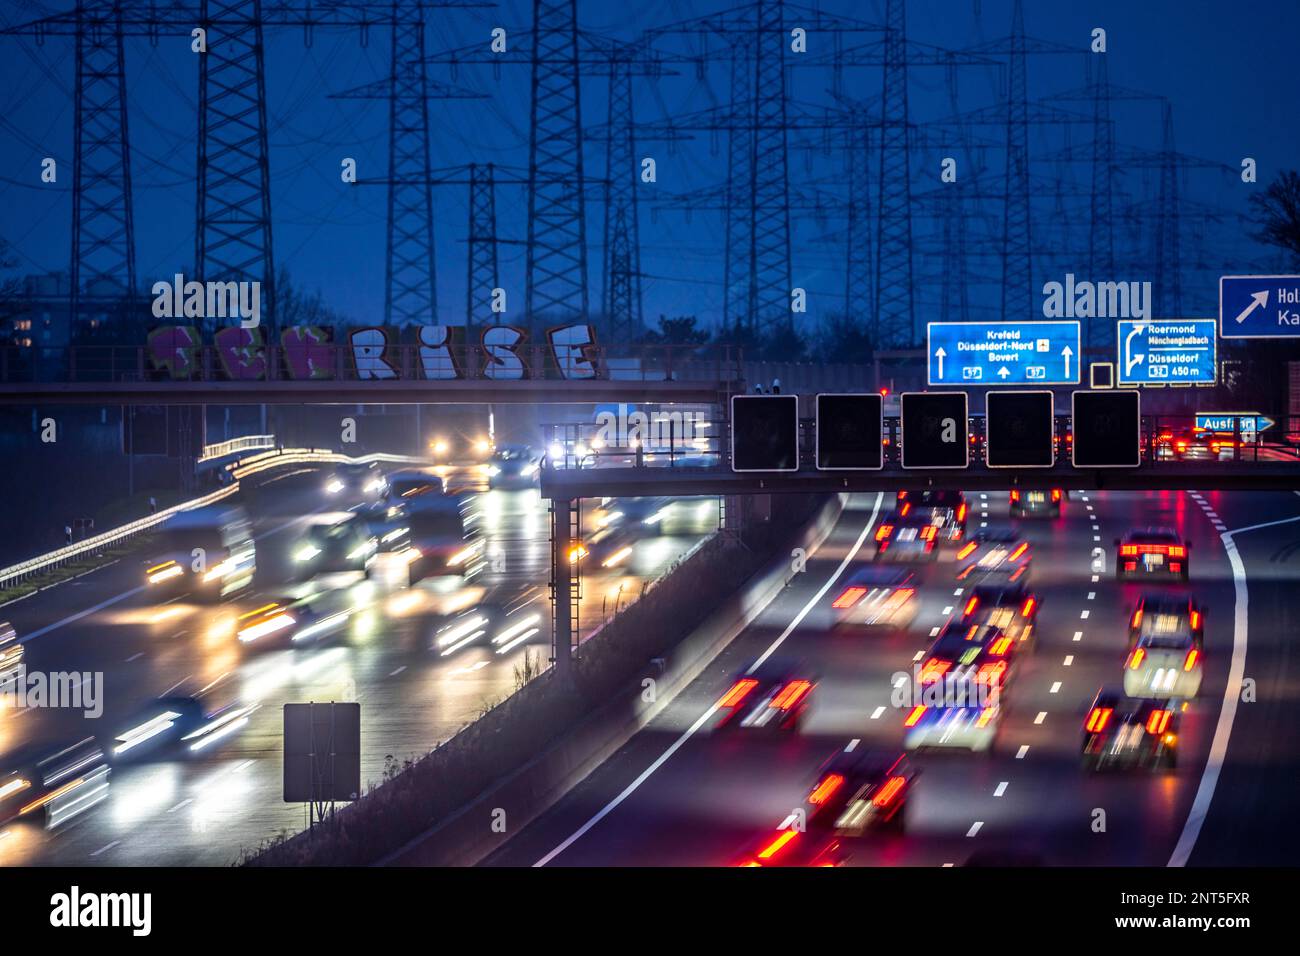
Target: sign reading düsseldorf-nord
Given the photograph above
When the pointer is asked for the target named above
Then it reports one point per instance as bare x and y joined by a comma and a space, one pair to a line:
1003, 353
1259, 307
935, 427
1168, 352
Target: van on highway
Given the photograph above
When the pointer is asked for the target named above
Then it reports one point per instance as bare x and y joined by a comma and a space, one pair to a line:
207, 552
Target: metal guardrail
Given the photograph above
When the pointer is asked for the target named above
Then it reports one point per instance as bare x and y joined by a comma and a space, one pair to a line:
240, 469
246, 443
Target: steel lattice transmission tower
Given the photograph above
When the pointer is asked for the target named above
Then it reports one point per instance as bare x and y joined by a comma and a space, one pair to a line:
411, 285
233, 231
769, 197
740, 179
103, 233
1017, 268
622, 292
483, 276
894, 315
1169, 265
557, 228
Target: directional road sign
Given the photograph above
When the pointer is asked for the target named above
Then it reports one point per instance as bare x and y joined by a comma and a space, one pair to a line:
1167, 352
1107, 429
1229, 423
849, 431
935, 429
1003, 353
1259, 307
764, 433
1020, 432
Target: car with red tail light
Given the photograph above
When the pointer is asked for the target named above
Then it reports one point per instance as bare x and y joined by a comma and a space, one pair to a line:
876, 596
1035, 501
1120, 731
947, 509
774, 696
791, 847
1009, 606
1153, 553
1000, 552
1166, 655
858, 790
908, 534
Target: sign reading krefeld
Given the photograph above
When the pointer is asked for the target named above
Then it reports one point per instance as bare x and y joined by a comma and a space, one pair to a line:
1019, 430
935, 430
849, 431
764, 433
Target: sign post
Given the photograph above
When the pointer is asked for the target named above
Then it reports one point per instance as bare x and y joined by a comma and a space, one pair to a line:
1003, 353
1259, 307
1167, 352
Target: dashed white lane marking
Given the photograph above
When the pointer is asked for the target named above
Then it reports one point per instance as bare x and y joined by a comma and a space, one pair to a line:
1024, 749
1078, 635
919, 655
1092, 595
875, 714
948, 865
105, 849
853, 745
957, 593
948, 609
396, 672
1069, 659
1056, 687
975, 828
934, 631
1083, 615
984, 524
1096, 578
180, 806
1096, 537
1001, 789
1228, 711
704, 718
135, 657
1042, 716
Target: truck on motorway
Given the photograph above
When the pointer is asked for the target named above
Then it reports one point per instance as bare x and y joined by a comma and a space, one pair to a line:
205, 552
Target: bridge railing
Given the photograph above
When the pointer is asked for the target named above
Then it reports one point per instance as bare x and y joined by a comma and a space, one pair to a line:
340, 361
675, 440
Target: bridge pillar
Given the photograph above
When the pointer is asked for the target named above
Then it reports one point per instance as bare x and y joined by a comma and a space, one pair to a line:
562, 603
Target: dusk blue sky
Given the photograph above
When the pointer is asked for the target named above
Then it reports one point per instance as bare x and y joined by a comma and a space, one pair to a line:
1229, 70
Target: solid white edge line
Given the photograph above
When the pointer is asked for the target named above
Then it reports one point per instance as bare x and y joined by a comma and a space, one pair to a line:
1231, 692
704, 718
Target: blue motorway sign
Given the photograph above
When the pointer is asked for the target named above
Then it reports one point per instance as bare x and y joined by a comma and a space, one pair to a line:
1259, 307
1003, 353
1228, 423
1167, 352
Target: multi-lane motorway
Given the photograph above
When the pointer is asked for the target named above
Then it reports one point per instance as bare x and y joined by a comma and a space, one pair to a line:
679, 794
208, 809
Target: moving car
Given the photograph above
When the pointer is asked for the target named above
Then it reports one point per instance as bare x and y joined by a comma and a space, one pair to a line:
947, 508
59, 785
789, 847
994, 551
1122, 732
775, 697
458, 449
175, 724
1153, 552
514, 466
967, 728
858, 790
441, 543
907, 534
972, 660
414, 486
288, 623
1167, 655
205, 552
334, 542
1008, 606
1035, 502
11, 652
355, 479
877, 596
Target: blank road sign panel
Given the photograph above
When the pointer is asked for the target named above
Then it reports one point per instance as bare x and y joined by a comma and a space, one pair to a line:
935, 433
765, 433
322, 752
1107, 429
849, 432
1020, 432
